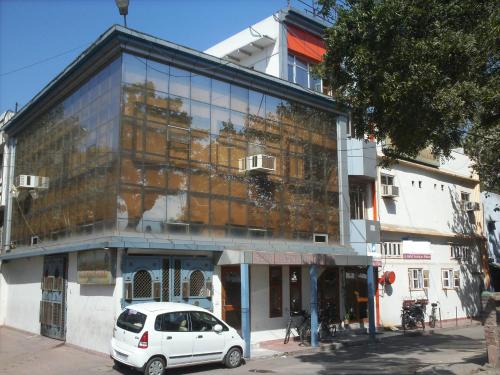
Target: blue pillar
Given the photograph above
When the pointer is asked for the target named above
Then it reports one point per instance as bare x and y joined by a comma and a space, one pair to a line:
313, 275
371, 303
245, 307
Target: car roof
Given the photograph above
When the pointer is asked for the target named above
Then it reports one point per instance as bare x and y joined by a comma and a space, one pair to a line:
164, 307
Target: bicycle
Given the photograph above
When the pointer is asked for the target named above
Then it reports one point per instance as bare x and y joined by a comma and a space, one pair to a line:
432, 316
294, 315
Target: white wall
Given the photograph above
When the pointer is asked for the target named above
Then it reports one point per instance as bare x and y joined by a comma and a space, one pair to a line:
91, 310
21, 302
268, 60
464, 300
434, 205
217, 288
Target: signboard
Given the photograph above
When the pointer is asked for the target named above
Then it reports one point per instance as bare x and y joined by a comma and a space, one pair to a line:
416, 249
96, 267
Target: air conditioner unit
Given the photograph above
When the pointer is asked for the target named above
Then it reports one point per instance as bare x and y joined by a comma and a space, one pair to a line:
390, 191
31, 182
471, 206
258, 163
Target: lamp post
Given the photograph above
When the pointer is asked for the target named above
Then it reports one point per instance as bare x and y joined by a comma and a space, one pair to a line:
123, 8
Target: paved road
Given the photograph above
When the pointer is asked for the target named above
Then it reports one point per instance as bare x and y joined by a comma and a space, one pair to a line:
458, 351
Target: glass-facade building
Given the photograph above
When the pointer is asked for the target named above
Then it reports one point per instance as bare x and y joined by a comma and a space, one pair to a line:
147, 147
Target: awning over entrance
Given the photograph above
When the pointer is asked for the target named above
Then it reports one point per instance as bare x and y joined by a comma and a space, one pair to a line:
291, 258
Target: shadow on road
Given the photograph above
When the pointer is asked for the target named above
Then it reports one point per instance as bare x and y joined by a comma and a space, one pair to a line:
402, 355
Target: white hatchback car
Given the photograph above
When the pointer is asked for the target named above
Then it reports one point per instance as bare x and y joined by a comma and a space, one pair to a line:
153, 336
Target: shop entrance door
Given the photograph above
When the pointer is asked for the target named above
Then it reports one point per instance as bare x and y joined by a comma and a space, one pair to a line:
328, 292
231, 296
53, 303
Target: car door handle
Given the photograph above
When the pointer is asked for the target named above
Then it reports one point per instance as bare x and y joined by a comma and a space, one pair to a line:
200, 336
169, 337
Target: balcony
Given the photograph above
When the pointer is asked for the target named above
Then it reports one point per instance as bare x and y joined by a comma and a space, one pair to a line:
361, 158
364, 233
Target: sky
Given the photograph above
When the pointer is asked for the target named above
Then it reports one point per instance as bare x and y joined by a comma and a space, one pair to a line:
39, 38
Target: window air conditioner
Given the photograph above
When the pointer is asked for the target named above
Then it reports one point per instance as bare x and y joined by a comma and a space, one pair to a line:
471, 206
258, 163
390, 191
31, 182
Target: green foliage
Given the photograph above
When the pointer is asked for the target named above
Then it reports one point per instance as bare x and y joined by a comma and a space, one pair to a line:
420, 73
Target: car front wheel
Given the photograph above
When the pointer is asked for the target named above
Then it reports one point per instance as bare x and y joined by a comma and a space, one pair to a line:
155, 366
233, 358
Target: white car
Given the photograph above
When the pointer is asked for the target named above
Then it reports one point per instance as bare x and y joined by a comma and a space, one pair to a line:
154, 336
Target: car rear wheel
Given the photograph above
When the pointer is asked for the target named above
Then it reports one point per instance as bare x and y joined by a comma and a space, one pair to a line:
155, 366
233, 358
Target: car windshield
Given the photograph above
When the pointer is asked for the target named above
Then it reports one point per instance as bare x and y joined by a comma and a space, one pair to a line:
131, 320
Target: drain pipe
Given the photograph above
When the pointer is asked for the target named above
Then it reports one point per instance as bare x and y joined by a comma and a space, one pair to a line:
8, 170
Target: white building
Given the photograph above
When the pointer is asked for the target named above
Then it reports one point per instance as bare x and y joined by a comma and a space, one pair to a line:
431, 226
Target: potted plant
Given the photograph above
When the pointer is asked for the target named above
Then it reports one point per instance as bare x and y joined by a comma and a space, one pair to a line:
347, 317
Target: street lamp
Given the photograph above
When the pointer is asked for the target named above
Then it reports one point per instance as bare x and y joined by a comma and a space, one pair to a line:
123, 8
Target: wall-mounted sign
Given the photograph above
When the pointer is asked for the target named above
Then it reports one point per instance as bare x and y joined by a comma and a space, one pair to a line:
416, 249
96, 267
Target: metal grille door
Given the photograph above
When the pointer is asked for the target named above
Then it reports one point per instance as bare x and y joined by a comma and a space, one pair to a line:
53, 303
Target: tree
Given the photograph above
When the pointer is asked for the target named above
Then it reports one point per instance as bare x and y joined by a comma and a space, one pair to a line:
422, 73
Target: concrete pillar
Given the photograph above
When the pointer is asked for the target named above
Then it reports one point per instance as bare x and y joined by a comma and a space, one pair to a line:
313, 275
371, 302
245, 307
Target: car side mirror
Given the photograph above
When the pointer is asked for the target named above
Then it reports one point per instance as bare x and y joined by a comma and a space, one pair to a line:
218, 328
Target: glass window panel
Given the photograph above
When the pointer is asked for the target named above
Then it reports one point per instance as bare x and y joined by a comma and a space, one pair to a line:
301, 77
256, 104
177, 207
220, 120
157, 107
178, 143
219, 185
238, 213
155, 176
256, 216
179, 112
220, 93
238, 120
130, 203
272, 106
154, 216
128, 130
134, 70
238, 187
200, 88
200, 146
239, 98
200, 114
220, 151
238, 151
179, 82
219, 211
177, 180
290, 73
157, 76
133, 102
131, 171
199, 209
156, 139
200, 182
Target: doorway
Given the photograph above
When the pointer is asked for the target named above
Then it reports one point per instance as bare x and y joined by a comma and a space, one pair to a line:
53, 303
231, 296
328, 292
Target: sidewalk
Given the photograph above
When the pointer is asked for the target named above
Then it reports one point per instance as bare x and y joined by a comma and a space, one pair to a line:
276, 348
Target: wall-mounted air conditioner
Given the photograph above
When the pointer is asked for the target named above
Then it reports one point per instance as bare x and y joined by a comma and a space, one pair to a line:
471, 206
258, 163
389, 191
31, 182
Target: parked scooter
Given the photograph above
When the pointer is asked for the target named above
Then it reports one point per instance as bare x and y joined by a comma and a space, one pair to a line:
412, 316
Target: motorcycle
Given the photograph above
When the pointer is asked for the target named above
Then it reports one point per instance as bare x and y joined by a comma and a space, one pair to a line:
413, 316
